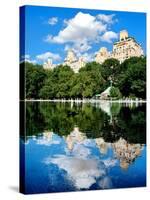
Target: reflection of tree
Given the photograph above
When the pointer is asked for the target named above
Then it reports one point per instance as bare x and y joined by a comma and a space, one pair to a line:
59, 118
34, 120
133, 124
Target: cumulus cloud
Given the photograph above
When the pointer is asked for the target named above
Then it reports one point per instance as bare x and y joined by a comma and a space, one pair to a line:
78, 49
107, 18
47, 55
109, 36
52, 21
81, 28
81, 31
81, 47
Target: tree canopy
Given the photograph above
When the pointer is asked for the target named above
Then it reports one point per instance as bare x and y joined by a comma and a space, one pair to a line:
128, 77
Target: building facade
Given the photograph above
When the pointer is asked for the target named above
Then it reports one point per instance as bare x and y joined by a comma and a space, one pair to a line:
74, 62
48, 64
123, 49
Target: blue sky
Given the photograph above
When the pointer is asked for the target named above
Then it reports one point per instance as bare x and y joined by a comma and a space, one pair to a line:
50, 31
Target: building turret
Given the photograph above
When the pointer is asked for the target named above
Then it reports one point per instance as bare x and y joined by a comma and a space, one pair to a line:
123, 35
71, 58
72, 61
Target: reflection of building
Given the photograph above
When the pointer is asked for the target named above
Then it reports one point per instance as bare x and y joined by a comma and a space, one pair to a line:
47, 135
102, 145
106, 94
73, 137
73, 62
125, 48
126, 152
46, 138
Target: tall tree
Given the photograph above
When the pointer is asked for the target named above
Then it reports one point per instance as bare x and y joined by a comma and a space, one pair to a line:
132, 80
111, 70
34, 79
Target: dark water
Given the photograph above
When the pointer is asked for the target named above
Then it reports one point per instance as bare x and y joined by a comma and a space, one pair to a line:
72, 147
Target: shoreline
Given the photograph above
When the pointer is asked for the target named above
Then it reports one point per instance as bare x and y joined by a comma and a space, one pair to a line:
130, 101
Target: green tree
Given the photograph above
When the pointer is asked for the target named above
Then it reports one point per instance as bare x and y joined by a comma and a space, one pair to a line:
88, 81
115, 92
132, 79
34, 79
110, 71
58, 83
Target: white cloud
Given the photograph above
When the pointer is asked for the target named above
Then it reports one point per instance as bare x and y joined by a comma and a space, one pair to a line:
107, 18
80, 30
89, 57
46, 55
52, 21
49, 38
109, 36
78, 48
82, 27
27, 58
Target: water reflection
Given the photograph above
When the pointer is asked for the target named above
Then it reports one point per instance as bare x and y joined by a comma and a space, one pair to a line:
84, 146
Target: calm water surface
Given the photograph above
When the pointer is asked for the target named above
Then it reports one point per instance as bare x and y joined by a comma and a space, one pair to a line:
72, 147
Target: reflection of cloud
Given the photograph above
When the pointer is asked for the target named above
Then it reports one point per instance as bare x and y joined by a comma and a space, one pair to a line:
46, 142
89, 143
83, 172
26, 142
110, 162
105, 183
81, 151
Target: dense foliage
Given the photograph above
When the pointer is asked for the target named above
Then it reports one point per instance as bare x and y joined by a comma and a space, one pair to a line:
115, 92
128, 79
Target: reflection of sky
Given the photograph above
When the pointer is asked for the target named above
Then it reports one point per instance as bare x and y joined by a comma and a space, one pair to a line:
52, 167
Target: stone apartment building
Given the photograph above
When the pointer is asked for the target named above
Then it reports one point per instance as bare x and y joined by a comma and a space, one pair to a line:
123, 49
74, 62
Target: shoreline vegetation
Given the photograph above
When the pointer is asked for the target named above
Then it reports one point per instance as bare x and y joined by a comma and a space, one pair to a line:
111, 80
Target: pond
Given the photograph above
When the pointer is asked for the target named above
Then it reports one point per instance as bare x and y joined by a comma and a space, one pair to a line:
83, 146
